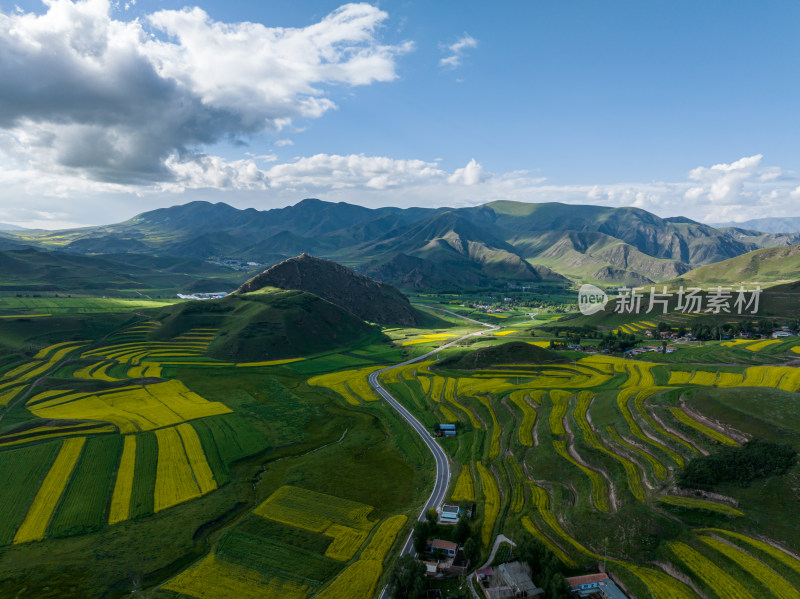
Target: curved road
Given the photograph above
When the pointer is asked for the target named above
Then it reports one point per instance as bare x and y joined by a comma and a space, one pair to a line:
442, 463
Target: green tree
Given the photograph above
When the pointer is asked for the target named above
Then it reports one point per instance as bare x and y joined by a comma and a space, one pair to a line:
462, 531
432, 516
471, 550
420, 535
407, 580
558, 587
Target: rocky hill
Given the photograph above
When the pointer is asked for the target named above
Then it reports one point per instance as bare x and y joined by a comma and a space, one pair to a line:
358, 294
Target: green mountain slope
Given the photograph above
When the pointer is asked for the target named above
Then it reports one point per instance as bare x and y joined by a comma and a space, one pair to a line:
32, 270
767, 267
267, 324
361, 296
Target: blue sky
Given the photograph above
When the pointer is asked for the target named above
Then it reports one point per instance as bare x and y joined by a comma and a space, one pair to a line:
676, 107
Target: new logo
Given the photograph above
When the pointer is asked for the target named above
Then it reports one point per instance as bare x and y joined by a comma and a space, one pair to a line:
591, 299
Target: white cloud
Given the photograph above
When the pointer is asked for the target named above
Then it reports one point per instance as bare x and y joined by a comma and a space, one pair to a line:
280, 143
332, 172
114, 100
472, 174
261, 181
457, 50
724, 183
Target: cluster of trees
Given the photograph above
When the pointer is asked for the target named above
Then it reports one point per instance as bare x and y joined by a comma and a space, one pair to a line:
617, 343
407, 580
705, 332
586, 332
741, 465
547, 571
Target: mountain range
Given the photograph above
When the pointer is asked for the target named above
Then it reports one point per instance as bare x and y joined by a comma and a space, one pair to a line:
787, 224
427, 248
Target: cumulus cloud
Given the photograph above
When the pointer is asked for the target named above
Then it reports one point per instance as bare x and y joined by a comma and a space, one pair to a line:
325, 171
457, 50
471, 174
263, 181
127, 101
724, 183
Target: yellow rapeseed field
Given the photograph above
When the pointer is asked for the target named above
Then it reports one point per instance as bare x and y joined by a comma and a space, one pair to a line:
213, 578
313, 511
683, 417
599, 487
525, 430
357, 580
131, 409
699, 504
762, 344
123, 488
45, 353
197, 458
34, 526
722, 583
383, 539
353, 385
464, 490
661, 585
10, 393
558, 411
784, 557
346, 541
449, 416
528, 524
174, 480
776, 583
268, 363
494, 447
491, 505
593, 440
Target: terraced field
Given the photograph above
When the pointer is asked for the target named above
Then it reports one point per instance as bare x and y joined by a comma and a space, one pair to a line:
566, 451
581, 455
113, 444
125, 450
296, 543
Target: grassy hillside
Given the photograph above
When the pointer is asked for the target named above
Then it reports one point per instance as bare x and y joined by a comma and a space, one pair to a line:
267, 324
766, 267
30, 271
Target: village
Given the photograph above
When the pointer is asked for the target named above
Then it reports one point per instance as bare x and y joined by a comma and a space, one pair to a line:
510, 572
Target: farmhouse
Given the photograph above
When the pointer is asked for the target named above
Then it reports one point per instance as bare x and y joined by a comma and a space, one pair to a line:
595, 585
450, 513
448, 548
508, 581
444, 430
452, 561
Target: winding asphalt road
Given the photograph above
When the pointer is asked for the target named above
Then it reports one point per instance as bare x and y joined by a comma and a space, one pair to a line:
442, 462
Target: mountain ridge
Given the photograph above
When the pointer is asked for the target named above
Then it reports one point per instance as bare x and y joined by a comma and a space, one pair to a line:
427, 248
